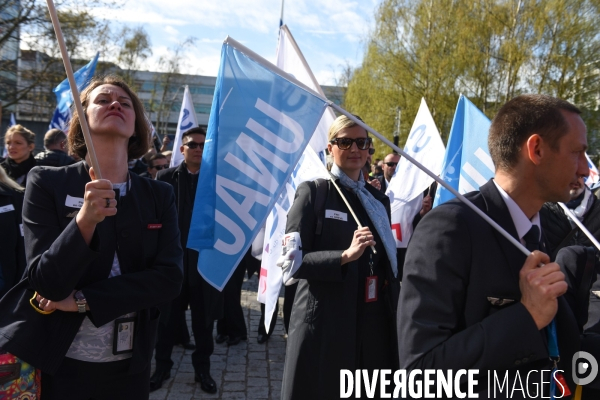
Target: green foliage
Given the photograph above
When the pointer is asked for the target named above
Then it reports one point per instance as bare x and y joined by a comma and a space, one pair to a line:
488, 50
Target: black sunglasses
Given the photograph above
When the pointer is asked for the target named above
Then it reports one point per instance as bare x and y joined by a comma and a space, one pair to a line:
194, 145
346, 143
159, 167
391, 164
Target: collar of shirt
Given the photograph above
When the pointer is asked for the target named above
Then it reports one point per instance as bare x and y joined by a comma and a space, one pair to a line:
192, 173
522, 223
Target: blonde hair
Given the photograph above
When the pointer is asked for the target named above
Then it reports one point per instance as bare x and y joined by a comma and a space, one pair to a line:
342, 122
4, 178
21, 130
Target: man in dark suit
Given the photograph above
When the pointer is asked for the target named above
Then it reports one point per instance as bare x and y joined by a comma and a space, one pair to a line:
390, 162
470, 299
205, 301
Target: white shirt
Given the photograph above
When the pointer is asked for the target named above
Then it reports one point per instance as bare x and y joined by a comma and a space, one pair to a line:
522, 223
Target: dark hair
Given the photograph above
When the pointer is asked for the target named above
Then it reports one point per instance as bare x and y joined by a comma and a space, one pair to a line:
522, 117
53, 136
139, 143
157, 156
198, 130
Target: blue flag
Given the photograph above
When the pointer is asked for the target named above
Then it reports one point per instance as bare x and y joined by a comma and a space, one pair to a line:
62, 114
467, 163
260, 123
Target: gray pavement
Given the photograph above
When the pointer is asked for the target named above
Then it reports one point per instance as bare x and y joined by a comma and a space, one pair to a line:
246, 371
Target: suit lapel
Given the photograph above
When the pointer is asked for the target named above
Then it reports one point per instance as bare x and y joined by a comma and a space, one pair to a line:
497, 210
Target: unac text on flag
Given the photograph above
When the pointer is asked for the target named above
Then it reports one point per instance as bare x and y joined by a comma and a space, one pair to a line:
467, 163
259, 126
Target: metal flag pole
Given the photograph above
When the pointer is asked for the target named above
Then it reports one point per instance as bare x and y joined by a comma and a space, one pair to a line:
580, 225
281, 16
74, 91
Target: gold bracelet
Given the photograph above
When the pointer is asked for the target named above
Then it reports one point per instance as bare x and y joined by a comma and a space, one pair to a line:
37, 308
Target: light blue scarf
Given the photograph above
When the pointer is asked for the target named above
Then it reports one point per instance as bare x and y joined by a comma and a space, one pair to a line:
375, 210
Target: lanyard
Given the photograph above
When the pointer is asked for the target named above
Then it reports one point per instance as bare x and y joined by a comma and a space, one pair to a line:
554, 355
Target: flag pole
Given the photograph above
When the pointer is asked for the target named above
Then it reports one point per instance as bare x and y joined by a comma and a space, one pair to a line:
269, 66
281, 16
439, 180
74, 91
579, 224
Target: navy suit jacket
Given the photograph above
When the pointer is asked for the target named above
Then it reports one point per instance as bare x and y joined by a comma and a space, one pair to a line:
59, 261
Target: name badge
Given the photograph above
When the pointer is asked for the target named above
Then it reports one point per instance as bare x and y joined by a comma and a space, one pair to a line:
74, 202
333, 214
371, 289
154, 226
123, 335
7, 208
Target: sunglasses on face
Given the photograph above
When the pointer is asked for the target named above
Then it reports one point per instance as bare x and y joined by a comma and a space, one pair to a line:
159, 167
194, 145
346, 143
391, 164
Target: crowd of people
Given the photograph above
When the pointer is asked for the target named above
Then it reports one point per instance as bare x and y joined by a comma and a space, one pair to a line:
100, 264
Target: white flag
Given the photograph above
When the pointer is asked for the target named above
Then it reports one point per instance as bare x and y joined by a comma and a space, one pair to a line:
187, 120
311, 166
291, 60
408, 183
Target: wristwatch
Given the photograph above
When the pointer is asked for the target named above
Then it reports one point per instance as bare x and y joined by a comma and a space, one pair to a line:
80, 300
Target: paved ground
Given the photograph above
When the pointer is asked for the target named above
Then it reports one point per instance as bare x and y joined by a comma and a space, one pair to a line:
246, 371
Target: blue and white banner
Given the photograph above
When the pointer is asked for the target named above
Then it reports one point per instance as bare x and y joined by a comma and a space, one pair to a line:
13, 120
406, 188
260, 123
467, 163
62, 114
593, 178
187, 120
310, 167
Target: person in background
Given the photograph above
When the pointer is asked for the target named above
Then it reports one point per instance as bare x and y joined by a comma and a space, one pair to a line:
157, 162
168, 154
19, 142
55, 143
12, 246
390, 162
206, 303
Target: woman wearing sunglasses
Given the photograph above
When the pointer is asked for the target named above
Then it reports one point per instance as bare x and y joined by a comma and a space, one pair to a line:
344, 311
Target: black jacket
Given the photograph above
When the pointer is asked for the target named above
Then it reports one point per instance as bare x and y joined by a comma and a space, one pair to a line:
12, 247
53, 158
457, 267
325, 321
18, 172
185, 185
145, 236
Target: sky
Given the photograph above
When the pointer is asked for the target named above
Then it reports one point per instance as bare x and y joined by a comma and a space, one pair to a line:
330, 33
